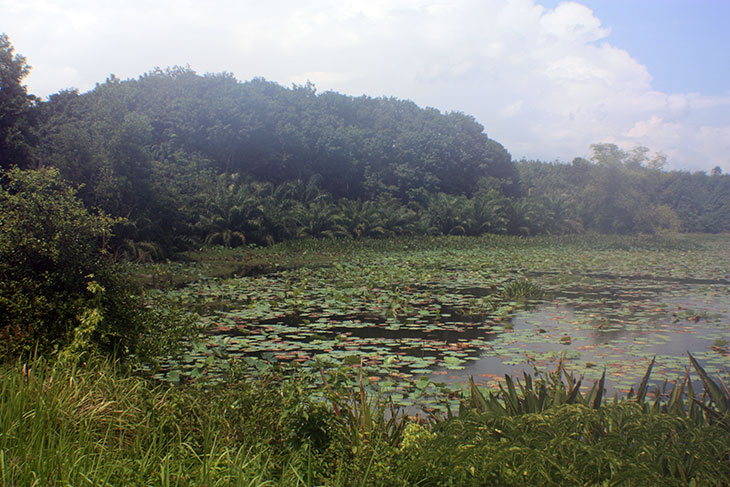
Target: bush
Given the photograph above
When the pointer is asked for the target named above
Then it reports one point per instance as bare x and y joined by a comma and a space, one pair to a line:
57, 286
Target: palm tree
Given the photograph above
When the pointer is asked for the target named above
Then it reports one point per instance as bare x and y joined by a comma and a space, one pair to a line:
361, 218
277, 220
485, 213
444, 214
138, 252
396, 219
319, 219
232, 212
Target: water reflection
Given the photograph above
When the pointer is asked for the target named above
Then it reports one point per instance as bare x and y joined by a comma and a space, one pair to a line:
667, 322
619, 325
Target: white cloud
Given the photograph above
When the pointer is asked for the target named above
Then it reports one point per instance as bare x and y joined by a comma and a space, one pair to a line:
572, 22
544, 82
646, 127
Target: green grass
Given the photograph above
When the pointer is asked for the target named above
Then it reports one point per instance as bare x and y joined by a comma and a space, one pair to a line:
98, 425
94, 425
572, 445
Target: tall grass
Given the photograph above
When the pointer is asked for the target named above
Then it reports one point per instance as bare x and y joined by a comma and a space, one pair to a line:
572, 444
98, 425
70, 425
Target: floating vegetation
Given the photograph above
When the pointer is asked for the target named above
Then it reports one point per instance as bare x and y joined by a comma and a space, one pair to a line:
721, 346
436, 307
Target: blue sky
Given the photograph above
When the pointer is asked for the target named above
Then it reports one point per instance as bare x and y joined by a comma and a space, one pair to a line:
546, 78
685, 44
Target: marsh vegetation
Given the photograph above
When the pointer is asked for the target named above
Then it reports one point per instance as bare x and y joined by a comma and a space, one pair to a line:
449, 308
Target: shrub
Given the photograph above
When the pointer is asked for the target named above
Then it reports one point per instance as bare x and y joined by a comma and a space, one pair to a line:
57, 287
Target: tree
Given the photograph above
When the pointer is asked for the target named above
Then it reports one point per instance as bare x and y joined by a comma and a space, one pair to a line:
637, 157
607, 155
55, 282
15, 105
320, 218
361, 218
658, 161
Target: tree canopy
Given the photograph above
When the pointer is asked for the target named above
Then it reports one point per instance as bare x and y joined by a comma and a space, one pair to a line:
186, 159
15, 105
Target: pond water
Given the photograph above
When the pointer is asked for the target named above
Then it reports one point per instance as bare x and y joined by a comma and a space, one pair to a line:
591, 336
449, 323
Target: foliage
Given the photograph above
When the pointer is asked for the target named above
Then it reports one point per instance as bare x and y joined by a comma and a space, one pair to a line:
522, 289
188, 159
50, 263
71, 424
539, 393
535, 395
57, 286
548, 433
96, 424
623, 193
137, 144
571, 445
16, 122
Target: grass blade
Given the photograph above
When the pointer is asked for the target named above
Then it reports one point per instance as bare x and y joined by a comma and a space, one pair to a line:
722, 402
641, 393
596, 403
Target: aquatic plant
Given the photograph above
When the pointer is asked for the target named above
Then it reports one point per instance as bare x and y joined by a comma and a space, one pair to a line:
522, 289
533, 394
541, 392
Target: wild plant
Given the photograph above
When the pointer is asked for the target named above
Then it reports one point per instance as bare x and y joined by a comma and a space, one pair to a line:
522, 289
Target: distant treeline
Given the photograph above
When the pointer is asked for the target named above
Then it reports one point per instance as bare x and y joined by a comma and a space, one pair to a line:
186, 159
626, 192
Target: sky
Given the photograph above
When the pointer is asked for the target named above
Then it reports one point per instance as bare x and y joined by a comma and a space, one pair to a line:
546, 78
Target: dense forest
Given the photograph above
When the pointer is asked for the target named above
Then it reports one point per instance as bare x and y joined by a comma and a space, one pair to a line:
185, 158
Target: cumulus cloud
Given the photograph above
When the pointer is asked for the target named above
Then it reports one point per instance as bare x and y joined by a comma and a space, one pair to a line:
544, 82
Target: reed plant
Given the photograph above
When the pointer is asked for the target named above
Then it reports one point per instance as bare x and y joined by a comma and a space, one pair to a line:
572, 444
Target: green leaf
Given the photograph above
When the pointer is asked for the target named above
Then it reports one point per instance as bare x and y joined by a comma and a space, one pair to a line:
721, 400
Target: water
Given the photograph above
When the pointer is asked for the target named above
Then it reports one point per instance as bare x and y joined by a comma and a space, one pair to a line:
452, 327
617, 328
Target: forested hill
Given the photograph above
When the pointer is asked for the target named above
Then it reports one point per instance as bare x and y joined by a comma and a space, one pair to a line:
359, 146
185, 158
137, 145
